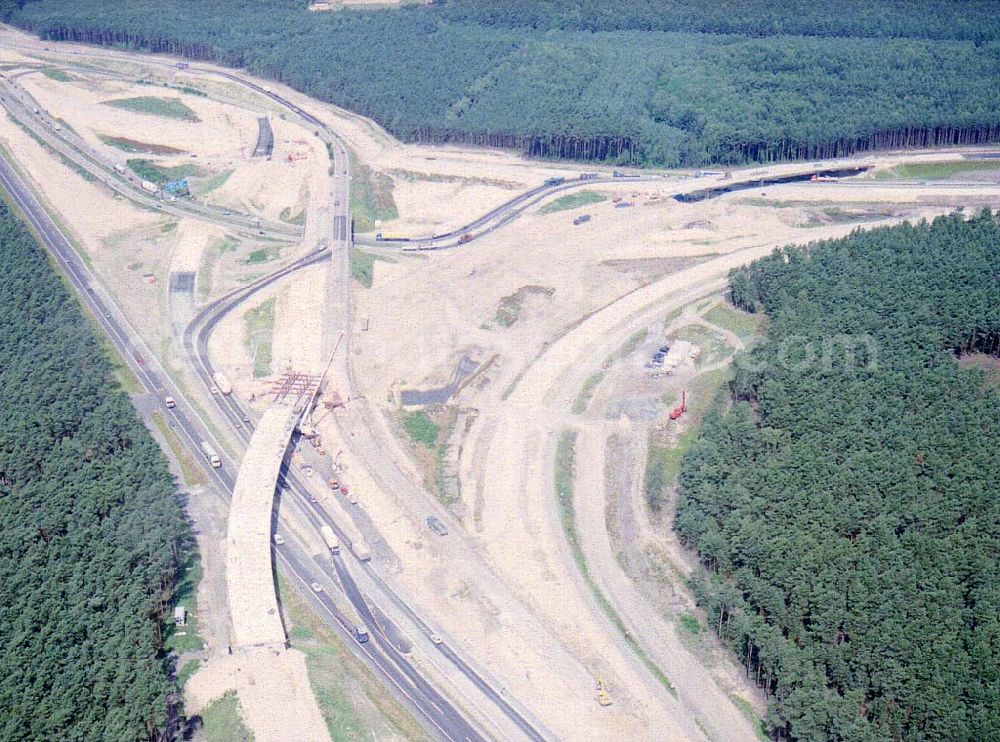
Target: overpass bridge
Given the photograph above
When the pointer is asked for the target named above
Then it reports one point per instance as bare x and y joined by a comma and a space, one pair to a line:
253, 601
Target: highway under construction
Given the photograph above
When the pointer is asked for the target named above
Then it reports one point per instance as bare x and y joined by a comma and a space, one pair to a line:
477, 615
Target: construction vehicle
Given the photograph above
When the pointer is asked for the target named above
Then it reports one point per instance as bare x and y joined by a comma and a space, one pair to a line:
170, 402
554, 181
465, 238
149, 186
222, 383
211, 455
681, 408
330, 538
603, 697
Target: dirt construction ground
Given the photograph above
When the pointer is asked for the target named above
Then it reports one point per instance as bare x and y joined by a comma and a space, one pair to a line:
539, 306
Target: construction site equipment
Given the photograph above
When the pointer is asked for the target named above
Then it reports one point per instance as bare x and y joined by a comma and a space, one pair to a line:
211, 455
149, 186
603, 697
464, 238
222, 383
330, 538
554, 181
681, 408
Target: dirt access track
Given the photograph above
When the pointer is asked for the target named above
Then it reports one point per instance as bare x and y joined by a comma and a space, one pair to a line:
502, 587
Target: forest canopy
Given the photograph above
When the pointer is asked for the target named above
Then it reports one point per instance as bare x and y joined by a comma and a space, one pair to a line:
91, 531
666, 82
846, 507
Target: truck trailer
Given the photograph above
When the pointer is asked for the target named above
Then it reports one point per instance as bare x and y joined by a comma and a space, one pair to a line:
360, 549
330, 538
211, 455
222, 383
149, 186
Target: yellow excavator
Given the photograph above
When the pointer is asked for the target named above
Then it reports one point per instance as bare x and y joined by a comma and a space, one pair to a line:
603, 697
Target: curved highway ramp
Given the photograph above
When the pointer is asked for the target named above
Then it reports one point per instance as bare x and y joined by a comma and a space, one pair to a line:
253, 601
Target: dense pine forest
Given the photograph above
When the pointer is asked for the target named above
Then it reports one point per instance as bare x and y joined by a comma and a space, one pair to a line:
846, 506
90, 528
664, 82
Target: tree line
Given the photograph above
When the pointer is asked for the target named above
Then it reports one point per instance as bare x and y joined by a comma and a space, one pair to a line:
91, 532
844, 503
624, 82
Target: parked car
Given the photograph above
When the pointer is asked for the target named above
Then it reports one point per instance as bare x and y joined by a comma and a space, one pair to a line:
437, 526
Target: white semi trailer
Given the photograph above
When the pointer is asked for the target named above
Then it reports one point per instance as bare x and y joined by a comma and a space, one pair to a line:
222, 383
330, 538
211, 455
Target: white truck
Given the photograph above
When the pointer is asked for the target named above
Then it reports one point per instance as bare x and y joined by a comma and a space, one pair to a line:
211, 455
149, 186
360, 550
120, 169
222, 383
330, 538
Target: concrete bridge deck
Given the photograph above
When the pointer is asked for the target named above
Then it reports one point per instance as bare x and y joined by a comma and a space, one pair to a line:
253, 601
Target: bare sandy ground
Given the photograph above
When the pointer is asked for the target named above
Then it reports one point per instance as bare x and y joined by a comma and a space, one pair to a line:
273, 689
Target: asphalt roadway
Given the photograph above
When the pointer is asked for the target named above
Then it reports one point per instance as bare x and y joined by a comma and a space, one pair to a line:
443, 718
